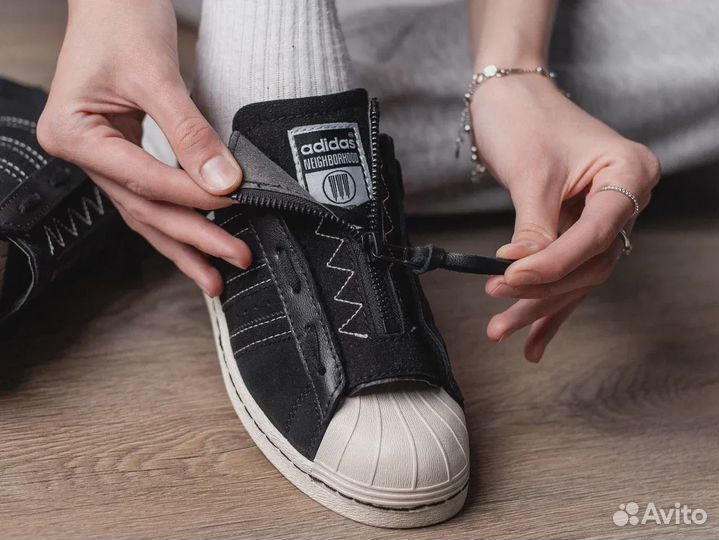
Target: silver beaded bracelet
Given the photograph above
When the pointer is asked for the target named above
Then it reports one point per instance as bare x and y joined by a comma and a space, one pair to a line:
465, 124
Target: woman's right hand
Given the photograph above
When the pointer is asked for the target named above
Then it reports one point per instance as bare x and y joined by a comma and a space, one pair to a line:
119, 62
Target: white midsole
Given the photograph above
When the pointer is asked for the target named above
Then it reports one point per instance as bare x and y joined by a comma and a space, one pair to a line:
400, 512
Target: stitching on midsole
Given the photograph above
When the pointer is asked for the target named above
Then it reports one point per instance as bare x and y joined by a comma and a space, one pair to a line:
314, 478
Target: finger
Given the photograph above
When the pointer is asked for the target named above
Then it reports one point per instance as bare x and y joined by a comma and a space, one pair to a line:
189, 261
524, 313
544, 330
151, 179
537, 217
595, 231
96, 146
592, 273
197, 146
181, 224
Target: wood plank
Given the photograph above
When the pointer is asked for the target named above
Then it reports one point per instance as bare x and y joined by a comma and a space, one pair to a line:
114, 420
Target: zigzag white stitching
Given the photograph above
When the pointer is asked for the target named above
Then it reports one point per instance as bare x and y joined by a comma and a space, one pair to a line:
25, 147
386, 213
15, 122
244, 273
350, 274
268, 321
53, 232
14, 167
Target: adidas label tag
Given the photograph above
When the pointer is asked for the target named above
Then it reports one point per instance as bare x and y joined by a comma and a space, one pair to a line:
331, 163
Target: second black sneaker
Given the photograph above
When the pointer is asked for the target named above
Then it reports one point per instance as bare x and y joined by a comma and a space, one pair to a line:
327, 344
51, 214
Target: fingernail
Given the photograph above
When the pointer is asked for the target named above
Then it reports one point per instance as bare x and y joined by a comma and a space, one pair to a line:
220, 174
239, 263
524, 245
204, 289
502, 289
504, 251
242, 260
536, 356
524, 277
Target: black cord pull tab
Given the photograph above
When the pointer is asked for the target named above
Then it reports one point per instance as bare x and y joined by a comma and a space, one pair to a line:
474, 264
421, 259
425, 258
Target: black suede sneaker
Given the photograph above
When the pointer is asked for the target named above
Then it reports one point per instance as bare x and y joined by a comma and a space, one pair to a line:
51, 214
327, 344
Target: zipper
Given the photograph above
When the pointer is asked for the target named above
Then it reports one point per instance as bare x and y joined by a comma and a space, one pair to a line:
297, 205
419, 259
363, 246
373, 254
375, 218
373, 236
376, 233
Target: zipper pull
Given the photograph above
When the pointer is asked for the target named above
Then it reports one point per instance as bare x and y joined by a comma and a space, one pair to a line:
421, 259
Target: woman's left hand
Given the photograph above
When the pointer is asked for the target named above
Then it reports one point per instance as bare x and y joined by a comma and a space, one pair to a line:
553, 158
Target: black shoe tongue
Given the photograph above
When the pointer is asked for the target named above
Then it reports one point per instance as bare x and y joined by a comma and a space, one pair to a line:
323, 142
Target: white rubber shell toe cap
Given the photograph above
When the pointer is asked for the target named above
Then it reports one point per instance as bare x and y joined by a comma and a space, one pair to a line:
400, 447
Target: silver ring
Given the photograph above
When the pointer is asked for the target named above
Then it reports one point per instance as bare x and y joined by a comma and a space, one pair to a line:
630, 195
627, 247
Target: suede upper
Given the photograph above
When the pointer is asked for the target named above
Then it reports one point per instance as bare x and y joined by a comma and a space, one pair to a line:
50, 211
317, 317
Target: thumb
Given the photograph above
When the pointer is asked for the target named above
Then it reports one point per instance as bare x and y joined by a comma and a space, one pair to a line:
535, 226
198, 148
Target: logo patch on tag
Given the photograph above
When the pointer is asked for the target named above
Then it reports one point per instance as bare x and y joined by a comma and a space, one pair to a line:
330, 163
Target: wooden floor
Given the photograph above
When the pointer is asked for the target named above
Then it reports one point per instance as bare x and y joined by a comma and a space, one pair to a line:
114, 420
